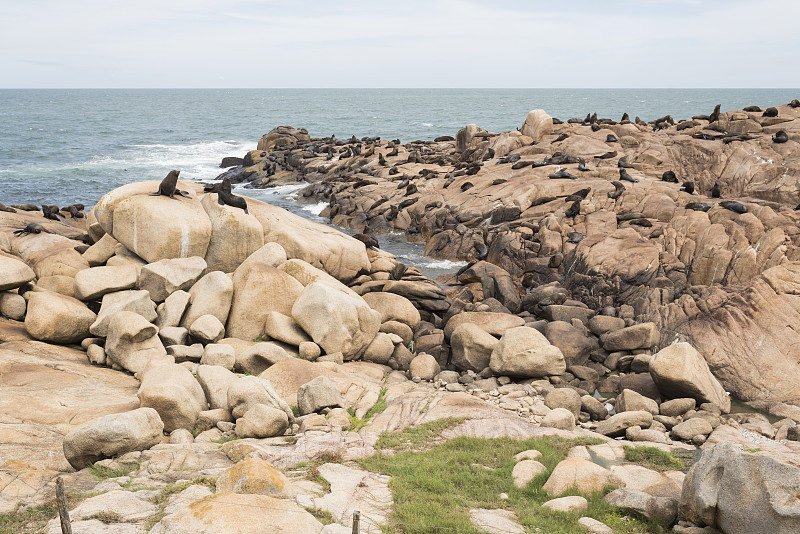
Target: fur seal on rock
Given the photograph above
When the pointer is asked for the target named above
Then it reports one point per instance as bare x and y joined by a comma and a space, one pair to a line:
794, 103
623, 163
699, 206
607, 155
226, 198
369, 241
715, 192
574, 237
611, 138
780, 137
574, 210
579, 194
559, 138
31, 228
688, 187
714, 117
168, 186
770, 112
752, 109
669, 176
5, 208
582, 165
734, 206
562, 173
623, 175
521, 165
619, 188
51, 212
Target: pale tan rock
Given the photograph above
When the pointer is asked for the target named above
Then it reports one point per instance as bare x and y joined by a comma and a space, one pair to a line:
133, 301
174, 393
14, 273
133, 342
393, 307
524, 351
215, 381
248, 391
380, 349
567, 505
680, 371
64, 285
207, 329
495, 324
234, 235
93, 283
57, 319
211, 295
537, 125
317, 394
583, 475
525, 471
262, 421
219, 354
254, 476
631, 401
284, 328
101, 251
472, 347
163, 277
559, 418
258, 357
424, 366
13, 305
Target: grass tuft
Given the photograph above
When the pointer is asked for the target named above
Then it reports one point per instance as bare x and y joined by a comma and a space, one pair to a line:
418, 437
357, 423
652, 458
100, 472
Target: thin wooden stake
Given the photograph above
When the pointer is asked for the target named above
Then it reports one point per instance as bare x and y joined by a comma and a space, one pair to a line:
356, 521
61, 501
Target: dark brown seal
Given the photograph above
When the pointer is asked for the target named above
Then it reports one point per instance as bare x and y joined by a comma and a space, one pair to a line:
226, 198
168, 186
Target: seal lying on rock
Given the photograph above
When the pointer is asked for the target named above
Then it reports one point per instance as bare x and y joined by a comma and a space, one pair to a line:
669, 176
51, 212
734, 206
699, 206
562, 174
607, 155
780, 137
167, 187
369, 241
770, 112
32, 228
688, 187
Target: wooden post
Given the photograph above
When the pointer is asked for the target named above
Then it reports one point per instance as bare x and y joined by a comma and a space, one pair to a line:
356, 521
61, 501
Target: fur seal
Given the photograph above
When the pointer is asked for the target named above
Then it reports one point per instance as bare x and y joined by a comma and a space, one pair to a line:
557, 159
521, 165
619, 188
794, 103
623, 175
382, 160
559, 138
74, 211
611, 138
513, 158
699, 206
714, 117
669, 176
623, 163
715, 192
574, 210
5, 208
607, 155
31, 228
499, 181
167, 187
780, 137
734, 206
688, 187
562, 173
226, 198
770, 112
645, 223
753, 109
579, 194
467, 185
582, 165
51, 212
369, 241
625, 118
574, 237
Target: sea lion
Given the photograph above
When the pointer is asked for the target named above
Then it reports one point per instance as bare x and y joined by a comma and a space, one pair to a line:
623, 175
794, 103
623, 163
31, 228
715, 192
369, 241
562, 173
699, 206
611, 138
669, 176
521, 165
574, 237
780, 137
625, 118
226, 198
8, 209
51, 212
734, 206
752, 109
688, 187
582, 165
574, 210
167, 187
714, 117
579, 194
559, 138
619, 188
607, 155
770, 112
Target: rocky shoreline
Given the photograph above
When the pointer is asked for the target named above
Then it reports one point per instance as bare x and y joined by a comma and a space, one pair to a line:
178, 339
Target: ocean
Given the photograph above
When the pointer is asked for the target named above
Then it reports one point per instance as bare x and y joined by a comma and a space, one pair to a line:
61, 146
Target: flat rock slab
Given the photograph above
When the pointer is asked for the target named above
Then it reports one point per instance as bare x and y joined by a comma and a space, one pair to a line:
495, 521
354, 489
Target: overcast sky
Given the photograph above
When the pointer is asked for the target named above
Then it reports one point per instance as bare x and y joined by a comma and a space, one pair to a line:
377, 43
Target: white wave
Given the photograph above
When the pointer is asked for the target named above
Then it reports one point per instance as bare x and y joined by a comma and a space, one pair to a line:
315, 209
427, 124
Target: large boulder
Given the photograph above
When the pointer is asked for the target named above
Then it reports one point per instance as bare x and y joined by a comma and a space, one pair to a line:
155, 227
638, 336
393, 307
253, 475
741, 493
336, 321
472, 347
133, 343
650, 506
113, 435
617, 424
164, 277
134, 301
215, 381
579, 474
525, 352
174, 393
234, 235
494, 323
14, 273
573, 343
537, 124
57, 318
248, 391
262, 421
93, 283
318, 394
259, 288
260, 356
680, 371
211, 295
338, 254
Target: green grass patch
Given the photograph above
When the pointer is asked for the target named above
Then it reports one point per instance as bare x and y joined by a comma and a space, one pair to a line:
161, 499
357, 423
418, 437
100, 472
33, 519
323, 516
295, 411
437, 486
226, 439
652, 458
107, 517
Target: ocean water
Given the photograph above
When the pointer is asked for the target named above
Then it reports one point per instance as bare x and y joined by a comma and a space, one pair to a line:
60, 146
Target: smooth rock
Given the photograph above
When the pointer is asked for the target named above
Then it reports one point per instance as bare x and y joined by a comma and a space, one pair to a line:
680, 371
525, 352
57, 318
164, 277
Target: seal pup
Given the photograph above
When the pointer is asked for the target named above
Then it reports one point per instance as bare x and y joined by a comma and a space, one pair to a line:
734, 206
31, 228
562, 173
669, 176
167, 187
770, 112
619, 188
715, 192
623, 175
780, 137
688, 187
225, 197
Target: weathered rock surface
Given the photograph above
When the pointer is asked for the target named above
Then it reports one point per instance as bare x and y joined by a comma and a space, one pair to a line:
680, 371
525, 352
57, 318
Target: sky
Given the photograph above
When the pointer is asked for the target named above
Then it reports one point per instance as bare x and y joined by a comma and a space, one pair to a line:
414, 43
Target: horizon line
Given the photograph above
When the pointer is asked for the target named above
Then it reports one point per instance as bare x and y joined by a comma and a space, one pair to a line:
399, 88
